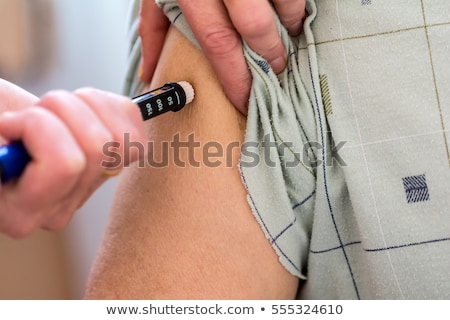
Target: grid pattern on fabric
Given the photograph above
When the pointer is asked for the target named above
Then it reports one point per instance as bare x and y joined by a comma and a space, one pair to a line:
385, 64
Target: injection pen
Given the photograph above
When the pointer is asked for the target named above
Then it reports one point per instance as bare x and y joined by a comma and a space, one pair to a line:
173, 96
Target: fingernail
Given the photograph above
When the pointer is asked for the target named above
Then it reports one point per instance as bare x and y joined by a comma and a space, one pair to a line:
141, 71
279, 64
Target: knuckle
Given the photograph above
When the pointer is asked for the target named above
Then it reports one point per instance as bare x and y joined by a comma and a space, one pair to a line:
38, 114
290, 20
84, 92
143, 25
251, 18
220, 40
290, 11
39, 117
255, 25
70, 165
52, 99
272, 49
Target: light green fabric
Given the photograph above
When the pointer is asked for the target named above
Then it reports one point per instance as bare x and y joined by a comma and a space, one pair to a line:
368, 80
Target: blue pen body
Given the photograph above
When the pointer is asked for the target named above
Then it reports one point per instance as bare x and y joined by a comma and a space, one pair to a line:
13, 160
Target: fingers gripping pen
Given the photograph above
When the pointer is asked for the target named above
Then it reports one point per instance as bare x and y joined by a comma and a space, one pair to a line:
173, 96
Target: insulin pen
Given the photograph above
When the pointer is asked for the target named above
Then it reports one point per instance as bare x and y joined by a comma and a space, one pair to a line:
173, 96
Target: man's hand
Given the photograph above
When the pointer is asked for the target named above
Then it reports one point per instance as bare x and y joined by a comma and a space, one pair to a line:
219, 26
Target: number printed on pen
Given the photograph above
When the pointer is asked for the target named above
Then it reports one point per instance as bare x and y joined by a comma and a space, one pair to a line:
149, 109
160, 105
